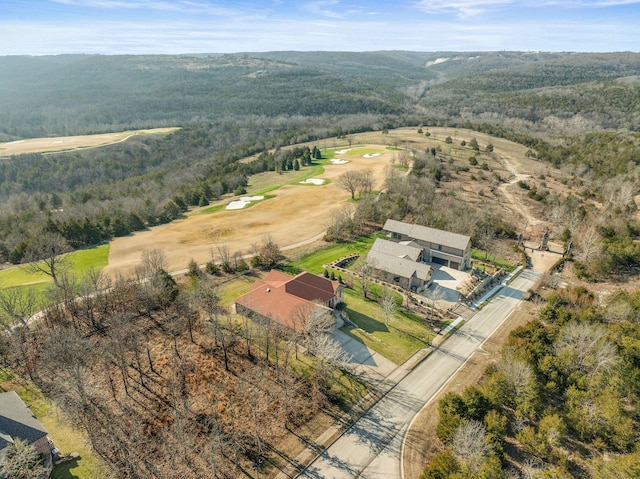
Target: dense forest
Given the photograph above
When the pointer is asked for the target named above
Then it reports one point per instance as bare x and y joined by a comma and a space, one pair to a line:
562, 402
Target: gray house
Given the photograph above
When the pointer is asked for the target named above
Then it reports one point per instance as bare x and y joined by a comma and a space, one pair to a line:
440, 247
399, 264
18, 422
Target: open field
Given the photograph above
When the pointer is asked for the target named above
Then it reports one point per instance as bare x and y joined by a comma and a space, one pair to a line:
313, 262
79, 263
296, 213
63, 143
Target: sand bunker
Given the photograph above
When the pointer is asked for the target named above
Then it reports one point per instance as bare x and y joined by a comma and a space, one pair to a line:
313, 181
242, 202
370, 155
336, 161
341, 152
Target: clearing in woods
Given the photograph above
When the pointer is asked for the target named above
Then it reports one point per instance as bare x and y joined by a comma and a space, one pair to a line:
297, 214
63, 143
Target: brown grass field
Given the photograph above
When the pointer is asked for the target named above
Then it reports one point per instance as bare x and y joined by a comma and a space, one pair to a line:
63, 143
300, 213
297, 213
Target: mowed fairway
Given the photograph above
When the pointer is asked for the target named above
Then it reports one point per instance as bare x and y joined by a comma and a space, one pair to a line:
61, 143
297, 213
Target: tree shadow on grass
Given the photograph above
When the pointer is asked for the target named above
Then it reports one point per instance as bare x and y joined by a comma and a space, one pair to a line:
64, 470
366, 323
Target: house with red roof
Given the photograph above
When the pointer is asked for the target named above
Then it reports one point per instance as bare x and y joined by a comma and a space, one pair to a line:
297, 302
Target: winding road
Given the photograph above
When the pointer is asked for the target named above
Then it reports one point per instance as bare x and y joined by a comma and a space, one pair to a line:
372, 446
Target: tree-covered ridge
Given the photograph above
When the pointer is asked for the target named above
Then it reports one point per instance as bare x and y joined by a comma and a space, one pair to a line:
79, 94
562, 402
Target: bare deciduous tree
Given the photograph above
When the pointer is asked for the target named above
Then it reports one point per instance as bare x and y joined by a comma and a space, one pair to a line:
403, 158
584, 347
365, 271
389, 304
17, 305
470, 445
21, 461
366, 182
47, 255
153, 261
350, 181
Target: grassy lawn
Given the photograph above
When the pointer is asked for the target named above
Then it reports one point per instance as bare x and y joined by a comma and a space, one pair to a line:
229, 291
398, 341
65, 437
364, 151
79, 263
313, 262
485, 259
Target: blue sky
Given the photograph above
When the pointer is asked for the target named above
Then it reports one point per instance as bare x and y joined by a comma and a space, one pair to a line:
38, 27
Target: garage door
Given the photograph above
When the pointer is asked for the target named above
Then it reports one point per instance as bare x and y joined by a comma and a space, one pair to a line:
441, 261
455, 265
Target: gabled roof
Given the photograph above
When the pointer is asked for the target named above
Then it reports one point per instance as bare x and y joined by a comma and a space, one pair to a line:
402, 267
312, 287
17, 421
409, 251
431, 235
289, 300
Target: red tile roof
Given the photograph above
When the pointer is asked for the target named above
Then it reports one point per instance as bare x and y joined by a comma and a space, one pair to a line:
288, 300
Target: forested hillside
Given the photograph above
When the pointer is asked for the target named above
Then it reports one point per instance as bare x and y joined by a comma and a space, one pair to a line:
79, 94
562, 402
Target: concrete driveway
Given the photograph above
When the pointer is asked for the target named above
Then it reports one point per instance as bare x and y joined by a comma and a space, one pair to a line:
445, 284
364, 362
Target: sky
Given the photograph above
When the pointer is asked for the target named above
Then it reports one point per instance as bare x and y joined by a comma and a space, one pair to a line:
43, 27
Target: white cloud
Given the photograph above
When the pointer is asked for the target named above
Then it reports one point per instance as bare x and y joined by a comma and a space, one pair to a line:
181, 6
460, 8
332, 9
589, 3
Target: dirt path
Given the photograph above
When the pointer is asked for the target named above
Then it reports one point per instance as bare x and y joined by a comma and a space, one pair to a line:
514, 203
298, 215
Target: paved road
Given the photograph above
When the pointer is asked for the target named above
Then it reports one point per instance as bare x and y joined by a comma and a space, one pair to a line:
371, 447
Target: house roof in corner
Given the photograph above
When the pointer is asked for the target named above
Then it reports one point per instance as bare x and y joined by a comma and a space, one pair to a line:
17, 421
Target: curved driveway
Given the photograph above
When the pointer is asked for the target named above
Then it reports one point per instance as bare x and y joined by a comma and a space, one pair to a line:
371, 447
